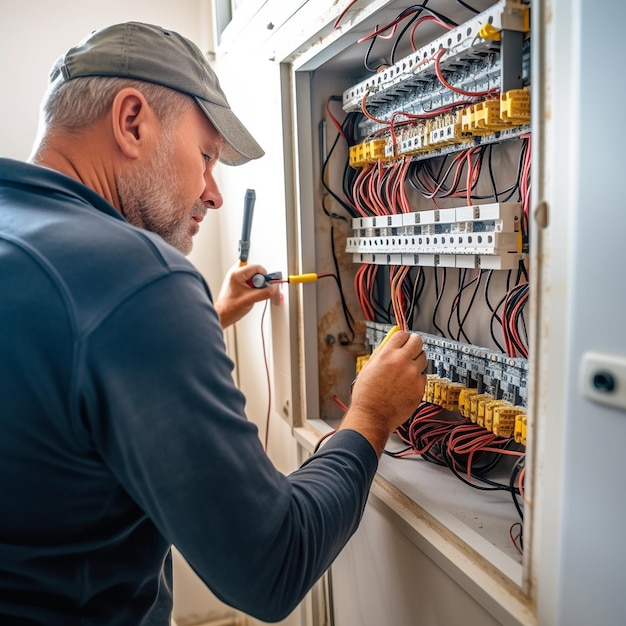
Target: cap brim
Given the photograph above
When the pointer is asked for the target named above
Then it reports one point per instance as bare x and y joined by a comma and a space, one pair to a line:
239, 145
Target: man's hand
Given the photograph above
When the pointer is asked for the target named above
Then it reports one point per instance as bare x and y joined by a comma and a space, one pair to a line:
236, 297
388, 389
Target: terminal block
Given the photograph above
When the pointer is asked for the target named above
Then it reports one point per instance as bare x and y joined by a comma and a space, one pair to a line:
367, 152
515, 106
482, 118
478, 370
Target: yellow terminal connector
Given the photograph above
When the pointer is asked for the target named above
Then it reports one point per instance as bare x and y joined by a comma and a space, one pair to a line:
467, 119
374, 150
429, 392
481, 410
504, 420
520, 428
440, 391
357, 156
489, 412
368, 152
474, 401
464, 400
487, 118
515, 106
453, 391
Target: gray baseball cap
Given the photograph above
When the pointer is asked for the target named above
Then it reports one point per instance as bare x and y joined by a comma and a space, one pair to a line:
157, 55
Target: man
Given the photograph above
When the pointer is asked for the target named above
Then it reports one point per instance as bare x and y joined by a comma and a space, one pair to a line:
122, 430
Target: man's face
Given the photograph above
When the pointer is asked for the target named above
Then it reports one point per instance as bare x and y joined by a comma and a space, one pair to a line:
170, 192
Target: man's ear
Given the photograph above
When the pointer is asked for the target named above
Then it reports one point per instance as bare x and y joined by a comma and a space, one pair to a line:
134, 123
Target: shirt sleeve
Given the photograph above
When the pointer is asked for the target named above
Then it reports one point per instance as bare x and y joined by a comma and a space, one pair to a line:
159, 403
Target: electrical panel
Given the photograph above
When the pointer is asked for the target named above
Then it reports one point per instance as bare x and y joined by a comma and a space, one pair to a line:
423, 189
408, 140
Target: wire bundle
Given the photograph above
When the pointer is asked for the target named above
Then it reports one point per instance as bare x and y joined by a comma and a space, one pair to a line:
415, 13
463, 446
468, 450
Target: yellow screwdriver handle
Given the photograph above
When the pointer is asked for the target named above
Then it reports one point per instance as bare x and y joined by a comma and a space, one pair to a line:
296, 279
392, 331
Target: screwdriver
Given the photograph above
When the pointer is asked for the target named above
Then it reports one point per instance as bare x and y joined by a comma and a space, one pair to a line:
246, 227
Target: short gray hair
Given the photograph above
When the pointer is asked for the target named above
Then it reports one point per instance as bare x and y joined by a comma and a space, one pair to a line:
77, 104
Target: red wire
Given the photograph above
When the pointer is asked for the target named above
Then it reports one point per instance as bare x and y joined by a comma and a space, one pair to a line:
516, 538
358, 188
426, 18
334, 120
337, 400
267, 374
341, 15
445, 83
520, 483
361, 292
377, 32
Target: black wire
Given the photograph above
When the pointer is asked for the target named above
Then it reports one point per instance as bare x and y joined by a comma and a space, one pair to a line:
392, 55
351, 211
467, 6
492, 177
520, 166
494, 312
407, 289
350, 130
469, 307
520, 318
381, 313
443, 191
492, 486
421, 8
479, 156
456, 304
521, 271
517, 468
367, 54
399, 453
344, 204
514, 296
456, 301
418, 289
438, 300
418, 8
382, 187
520, 293
424, 167
337, 275
501, 320
428, 166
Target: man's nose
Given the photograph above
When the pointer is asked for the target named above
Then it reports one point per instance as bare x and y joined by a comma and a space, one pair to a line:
211, 195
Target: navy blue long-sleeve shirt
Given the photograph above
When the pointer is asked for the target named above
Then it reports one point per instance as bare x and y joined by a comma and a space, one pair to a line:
122, 432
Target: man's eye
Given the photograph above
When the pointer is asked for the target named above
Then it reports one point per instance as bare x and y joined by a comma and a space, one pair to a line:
207, 158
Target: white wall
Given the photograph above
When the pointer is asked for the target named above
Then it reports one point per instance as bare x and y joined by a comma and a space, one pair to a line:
34, 33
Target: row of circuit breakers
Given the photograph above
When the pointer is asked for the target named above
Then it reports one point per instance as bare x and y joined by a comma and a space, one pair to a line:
488, 53
482, 236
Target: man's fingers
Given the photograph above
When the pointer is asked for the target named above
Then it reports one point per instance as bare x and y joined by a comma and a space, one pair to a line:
419, 355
